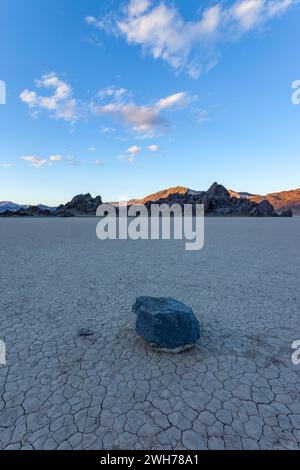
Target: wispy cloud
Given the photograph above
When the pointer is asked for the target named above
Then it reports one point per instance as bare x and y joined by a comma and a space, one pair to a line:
162, 32
144, 120
6, 165
130, 154
37, 162
112, 102
59, 105
56, 158
71, 160
134, 150
107, 130
153, 148
98, 162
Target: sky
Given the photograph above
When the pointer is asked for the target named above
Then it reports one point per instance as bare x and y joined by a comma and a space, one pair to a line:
123, 99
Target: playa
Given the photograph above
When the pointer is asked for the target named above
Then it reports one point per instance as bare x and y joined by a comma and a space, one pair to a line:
237, 389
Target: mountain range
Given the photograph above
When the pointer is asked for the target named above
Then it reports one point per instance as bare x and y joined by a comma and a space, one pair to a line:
217, 200
12, 206
281, 201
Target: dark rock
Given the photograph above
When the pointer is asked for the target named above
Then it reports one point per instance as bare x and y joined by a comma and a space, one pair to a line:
82, 204
218, 201
30, 211
62, 213
263, 209
166, 324
85, 331
216, 197
7, 213
287, 213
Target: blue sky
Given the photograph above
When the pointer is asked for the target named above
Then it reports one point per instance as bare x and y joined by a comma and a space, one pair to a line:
127, 98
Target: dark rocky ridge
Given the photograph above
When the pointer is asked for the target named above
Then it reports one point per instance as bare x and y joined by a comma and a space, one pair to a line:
217, 200
82, 204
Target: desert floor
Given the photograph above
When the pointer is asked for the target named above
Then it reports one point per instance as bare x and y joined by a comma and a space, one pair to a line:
238, 388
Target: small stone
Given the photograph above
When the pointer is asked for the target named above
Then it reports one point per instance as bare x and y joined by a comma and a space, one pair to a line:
85, 331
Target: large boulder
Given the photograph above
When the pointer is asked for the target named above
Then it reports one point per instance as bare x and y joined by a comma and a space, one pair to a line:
166, 324
287, 213
263, 209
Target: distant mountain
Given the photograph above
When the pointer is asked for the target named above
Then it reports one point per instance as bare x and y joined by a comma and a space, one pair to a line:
281, 201
13, 207
9, 206
217, 200
80, 205
164, 194
241, 194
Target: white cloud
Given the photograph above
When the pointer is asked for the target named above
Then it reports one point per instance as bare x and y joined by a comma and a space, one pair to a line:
59, 105
136, 7
113, 92
178, 99
38, 162
129, 159
153, 148
248, 13
134, 150
141, 119
162, 32
29, 97
278, 7
107, 130
98, 162
92, 149
71, 160
56, 158
92, 21
6, 165
35, 161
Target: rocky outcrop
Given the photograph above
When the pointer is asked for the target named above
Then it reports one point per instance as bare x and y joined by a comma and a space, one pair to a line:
166, 324
281, 201
80, 205
218, 201
287, 213
30, 211
263, 209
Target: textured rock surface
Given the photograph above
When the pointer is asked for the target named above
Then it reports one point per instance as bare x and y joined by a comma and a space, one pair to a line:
82, 204
287, 213
166, 323
218, 201
263, 209
238, 387
85, 331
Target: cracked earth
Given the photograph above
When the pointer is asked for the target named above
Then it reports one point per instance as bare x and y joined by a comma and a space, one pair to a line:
237, 389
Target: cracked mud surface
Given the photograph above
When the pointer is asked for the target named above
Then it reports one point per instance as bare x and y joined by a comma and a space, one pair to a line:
237, 389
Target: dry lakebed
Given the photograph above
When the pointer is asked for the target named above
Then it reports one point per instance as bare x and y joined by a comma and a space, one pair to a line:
236, 389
